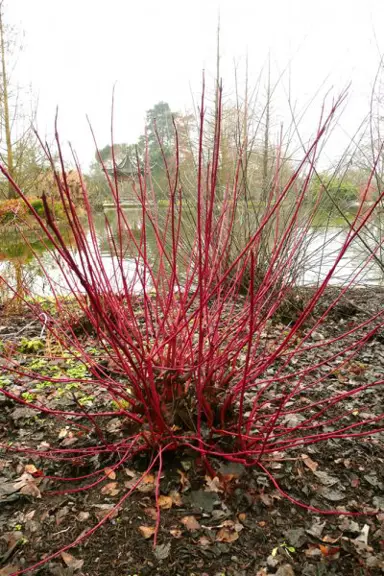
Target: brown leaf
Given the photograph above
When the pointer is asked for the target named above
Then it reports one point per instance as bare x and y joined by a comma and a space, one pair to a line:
147, 484
266, 499
311, 464
63, 432
147, 531
30, 469
312, 552
204, 541
61, 514
13, 539
213, 484
151, 513
148, 479
227, 535
176, 498
185, 483
110, 489
30, 489
329, 551
231, 525
71, 561
176, 533
330, 539
190, 523
83, 516
70, 441
104, 510
111, 474
164, 502
9, 570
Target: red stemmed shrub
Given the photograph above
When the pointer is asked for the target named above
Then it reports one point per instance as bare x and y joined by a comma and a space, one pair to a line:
184, 355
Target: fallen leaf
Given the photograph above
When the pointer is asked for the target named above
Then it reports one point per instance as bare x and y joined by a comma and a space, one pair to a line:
328, 551
147, 531
176, 533
203, 500
162, 551
164, 502
8, 488
378, 502
9, 570
229, 531
61, 514
71, 561
213, 484
227, 535
148, 479
326, 479
83, 516
104, 510
147, 484
316, 529
330, 494
69, 441
30, 469
242, 516
312, 552
185, 483
111, 474
296, 537
285, 570
309, 463
110, 489
363, 536
265, 499
30, 489
190, 523
204, 541
12, 539
130, 483
346, 524
176, 498
151, 513
330, 539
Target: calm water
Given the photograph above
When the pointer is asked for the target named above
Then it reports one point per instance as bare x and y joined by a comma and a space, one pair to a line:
21, 260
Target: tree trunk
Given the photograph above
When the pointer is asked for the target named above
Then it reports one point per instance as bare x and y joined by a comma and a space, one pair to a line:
7, 124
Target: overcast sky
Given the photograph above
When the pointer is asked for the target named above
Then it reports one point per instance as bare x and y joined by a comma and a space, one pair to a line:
75, 50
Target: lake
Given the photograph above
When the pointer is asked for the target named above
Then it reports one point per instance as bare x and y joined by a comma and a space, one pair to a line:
21, 257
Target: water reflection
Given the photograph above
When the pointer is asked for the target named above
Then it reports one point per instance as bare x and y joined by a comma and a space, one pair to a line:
21, 261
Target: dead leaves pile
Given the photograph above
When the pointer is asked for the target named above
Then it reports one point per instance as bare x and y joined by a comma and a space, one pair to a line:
27, 485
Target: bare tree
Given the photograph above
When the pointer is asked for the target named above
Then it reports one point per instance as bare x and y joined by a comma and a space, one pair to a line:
20, 151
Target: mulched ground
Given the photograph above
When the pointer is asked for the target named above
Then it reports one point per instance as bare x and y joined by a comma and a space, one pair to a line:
236, 523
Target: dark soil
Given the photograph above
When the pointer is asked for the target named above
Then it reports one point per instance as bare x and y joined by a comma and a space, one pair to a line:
236, 523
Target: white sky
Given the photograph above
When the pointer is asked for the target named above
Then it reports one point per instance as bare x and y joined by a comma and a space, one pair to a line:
75, 50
